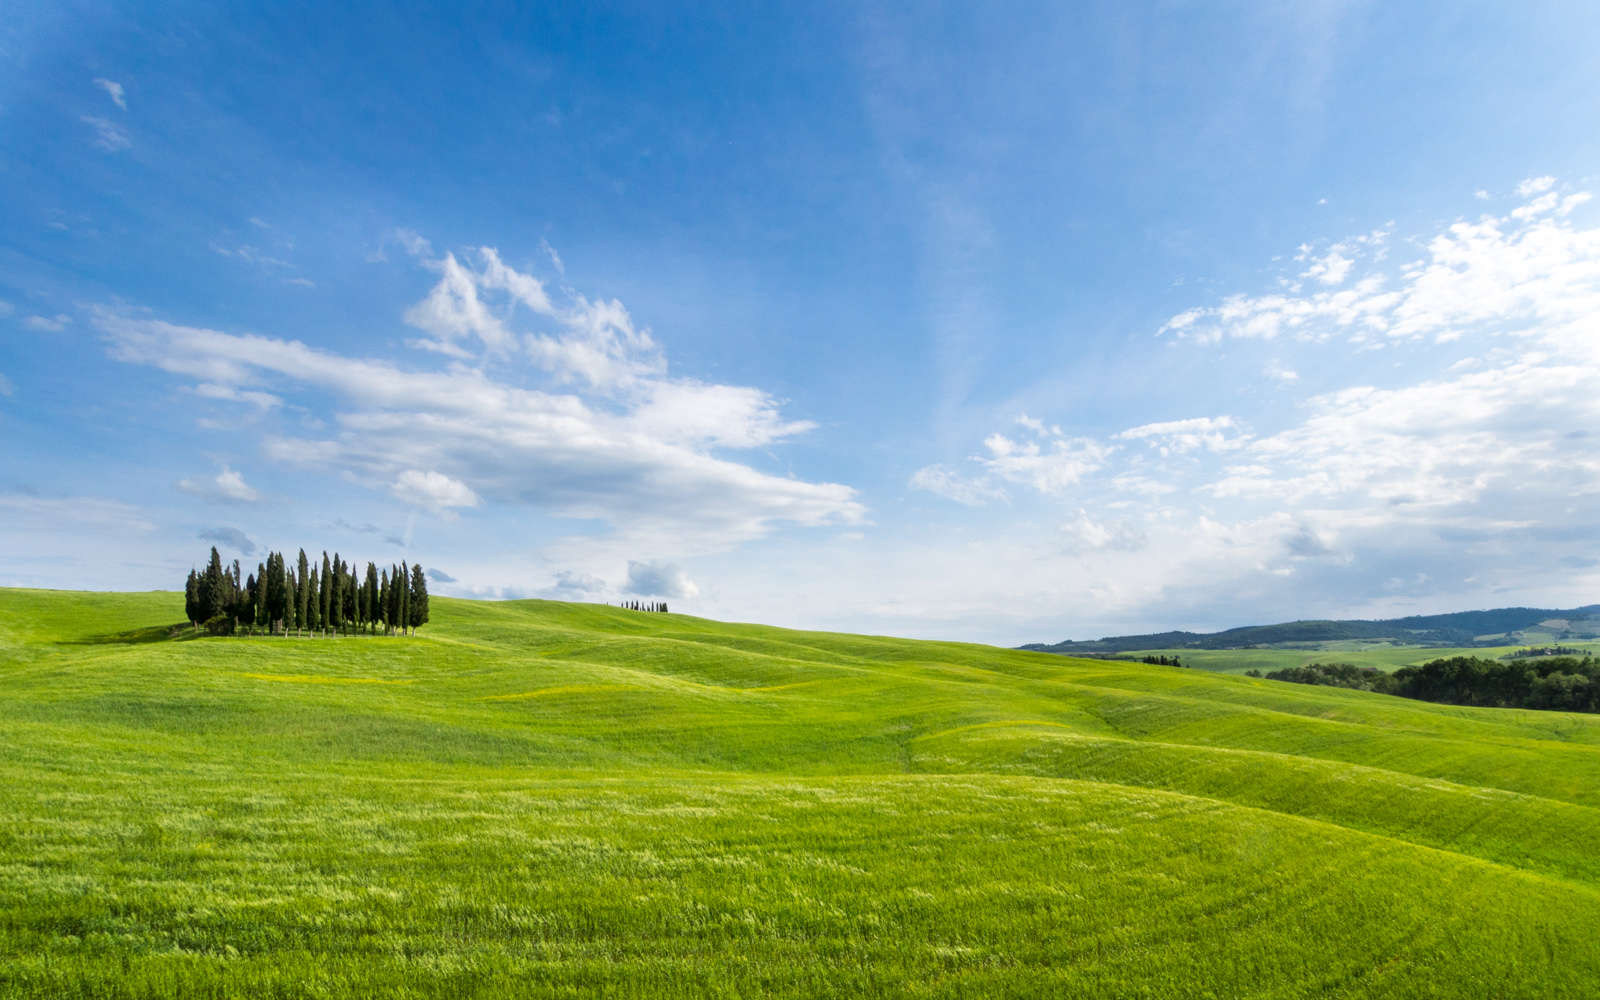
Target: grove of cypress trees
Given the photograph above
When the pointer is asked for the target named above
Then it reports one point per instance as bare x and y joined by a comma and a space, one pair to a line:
328, 600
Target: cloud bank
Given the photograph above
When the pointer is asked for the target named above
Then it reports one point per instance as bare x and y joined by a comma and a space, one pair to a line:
1477, 477
608, 435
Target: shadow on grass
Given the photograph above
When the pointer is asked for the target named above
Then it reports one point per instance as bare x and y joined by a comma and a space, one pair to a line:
140, 636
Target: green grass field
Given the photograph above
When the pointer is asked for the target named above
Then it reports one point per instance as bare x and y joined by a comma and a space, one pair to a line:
537, 799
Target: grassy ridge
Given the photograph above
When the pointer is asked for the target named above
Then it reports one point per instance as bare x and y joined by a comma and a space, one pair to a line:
543, 799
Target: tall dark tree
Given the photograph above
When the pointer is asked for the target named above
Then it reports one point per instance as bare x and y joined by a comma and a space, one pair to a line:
419, 598
325, 612
402, 581
191, 598
302, 593
260, 616
313, 602
374, 611
213, 588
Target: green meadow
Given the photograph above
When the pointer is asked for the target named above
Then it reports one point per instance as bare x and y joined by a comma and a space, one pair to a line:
536, 799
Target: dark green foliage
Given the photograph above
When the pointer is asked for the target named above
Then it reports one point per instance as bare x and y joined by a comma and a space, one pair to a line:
213, 590
1162, 661
1557, 683
302, 593
336, 598
419, 598
1341, 675
191, 598
399, 582
325, 610
219, 625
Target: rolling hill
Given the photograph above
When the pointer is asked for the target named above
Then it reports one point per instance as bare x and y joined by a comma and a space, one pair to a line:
1499, 627
540, 799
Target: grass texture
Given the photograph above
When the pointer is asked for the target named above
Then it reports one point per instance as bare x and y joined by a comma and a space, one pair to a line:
539, 799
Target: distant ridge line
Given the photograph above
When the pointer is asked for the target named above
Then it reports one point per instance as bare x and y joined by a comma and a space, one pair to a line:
1461, 628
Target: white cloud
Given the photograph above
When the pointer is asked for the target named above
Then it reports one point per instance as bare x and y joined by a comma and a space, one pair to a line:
49, 324
1277, 370
570, 582
1535, 185
1049, 467
114, 89
263, 400
952, 485
1085, 534
227, 485
1179, 436
623, 442
108, 134
1331, 268
1480, 471
1050, 464
433, 491
1529, 270
659, 579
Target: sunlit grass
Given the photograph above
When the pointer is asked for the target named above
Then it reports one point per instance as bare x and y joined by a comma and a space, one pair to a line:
536, 799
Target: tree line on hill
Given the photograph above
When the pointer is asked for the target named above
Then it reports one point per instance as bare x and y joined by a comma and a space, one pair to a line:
328, 600
644, 605
1460, 628
1556, 683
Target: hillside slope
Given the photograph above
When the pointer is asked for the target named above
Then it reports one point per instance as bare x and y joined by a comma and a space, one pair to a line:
545, 799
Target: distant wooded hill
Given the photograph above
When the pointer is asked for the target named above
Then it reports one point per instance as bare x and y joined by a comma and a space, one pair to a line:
1463, 628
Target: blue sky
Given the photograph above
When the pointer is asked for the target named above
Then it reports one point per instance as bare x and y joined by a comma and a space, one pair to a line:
998, 322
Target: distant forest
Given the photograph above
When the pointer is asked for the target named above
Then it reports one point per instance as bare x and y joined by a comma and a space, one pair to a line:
307, 599
1553, 683
1460, 628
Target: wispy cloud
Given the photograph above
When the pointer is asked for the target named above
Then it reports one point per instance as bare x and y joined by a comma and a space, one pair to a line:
109, 135
231, 538
228, 485
114, 89
48, 324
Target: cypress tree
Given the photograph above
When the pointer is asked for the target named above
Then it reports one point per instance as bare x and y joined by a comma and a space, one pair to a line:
404, 617
374, 609
191, 599
327, 592
352, 603
302, 594
212, 591
419, 598
258, 597
383, 600
313, 602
